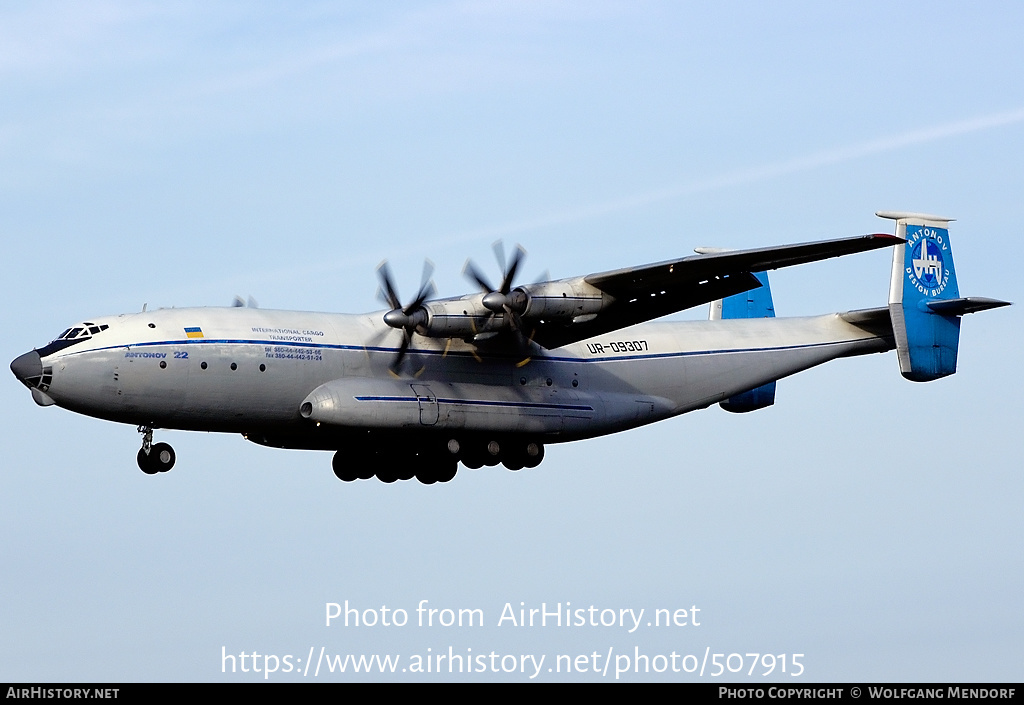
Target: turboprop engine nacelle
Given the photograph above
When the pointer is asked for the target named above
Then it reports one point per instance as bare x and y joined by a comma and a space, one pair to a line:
460, 318
562, 300
480, 314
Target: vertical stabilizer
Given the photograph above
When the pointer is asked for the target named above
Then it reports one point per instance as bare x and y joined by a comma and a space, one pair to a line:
922, 276
755, 303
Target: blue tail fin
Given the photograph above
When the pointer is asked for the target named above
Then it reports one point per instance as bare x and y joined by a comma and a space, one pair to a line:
756, 303
924, 300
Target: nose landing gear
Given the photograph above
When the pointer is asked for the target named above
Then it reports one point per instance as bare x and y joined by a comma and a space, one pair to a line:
154, 457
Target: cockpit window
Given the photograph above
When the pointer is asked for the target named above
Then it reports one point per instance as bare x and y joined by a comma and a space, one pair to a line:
85, 331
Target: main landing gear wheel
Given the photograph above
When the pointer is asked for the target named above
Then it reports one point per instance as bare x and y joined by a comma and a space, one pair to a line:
344, 468
160, 459
154, 458
534, 454
387, 472
145, 465
439, 469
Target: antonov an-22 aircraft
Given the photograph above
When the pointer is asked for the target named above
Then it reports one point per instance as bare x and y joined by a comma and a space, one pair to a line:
492, 377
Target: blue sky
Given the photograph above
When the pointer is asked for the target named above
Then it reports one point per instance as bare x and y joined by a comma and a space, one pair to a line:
179, 155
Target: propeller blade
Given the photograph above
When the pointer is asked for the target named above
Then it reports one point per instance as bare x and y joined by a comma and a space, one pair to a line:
515, 322
499, 254
524, 341
473, 274
513, 267
377, 340
427, 288
387, 292
428, 272
402, 350
509, 269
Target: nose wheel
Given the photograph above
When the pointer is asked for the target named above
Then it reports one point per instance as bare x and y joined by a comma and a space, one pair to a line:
154, 457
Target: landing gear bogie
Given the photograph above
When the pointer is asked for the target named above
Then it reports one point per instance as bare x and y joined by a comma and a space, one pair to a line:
432, 461
428, 467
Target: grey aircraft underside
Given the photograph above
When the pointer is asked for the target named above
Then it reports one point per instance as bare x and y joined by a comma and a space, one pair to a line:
492, 377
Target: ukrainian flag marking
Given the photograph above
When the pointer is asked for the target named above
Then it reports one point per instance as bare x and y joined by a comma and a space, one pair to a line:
196, 332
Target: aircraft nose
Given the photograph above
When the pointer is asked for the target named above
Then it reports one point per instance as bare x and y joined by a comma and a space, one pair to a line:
28, 366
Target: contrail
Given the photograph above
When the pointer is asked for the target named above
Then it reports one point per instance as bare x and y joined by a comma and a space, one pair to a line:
365, 259
752, 174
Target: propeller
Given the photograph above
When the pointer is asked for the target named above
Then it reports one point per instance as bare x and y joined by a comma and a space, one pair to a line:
502, 299
409, 317
239, 302
497, 299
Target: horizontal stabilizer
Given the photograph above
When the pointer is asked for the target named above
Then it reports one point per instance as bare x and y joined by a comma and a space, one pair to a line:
961, 307
867, 316
877, 321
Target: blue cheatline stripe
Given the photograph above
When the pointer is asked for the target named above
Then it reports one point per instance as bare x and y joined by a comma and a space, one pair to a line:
482, 402
491, 356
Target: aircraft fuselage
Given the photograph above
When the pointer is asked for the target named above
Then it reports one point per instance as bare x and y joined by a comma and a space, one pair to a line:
286, 374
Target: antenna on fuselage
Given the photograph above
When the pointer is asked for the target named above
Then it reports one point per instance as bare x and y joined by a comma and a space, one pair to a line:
144, 307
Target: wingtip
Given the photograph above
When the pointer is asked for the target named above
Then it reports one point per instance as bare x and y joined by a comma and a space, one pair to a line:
887, 238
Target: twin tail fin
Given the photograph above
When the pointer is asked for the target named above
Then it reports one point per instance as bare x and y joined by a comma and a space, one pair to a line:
924, 299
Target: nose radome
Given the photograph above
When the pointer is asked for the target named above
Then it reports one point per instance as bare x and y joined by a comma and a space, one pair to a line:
28, 366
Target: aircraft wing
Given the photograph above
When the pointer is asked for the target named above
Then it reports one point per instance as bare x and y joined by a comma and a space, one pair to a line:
644, 293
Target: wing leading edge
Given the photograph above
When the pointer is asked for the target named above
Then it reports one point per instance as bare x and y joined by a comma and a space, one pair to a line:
639, 294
